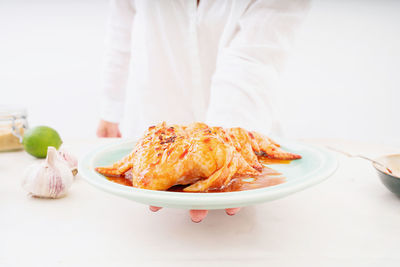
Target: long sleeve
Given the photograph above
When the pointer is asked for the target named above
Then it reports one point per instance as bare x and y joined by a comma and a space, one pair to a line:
242, 88
116, 59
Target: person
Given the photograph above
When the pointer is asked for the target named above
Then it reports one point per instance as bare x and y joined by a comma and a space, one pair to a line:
182, 61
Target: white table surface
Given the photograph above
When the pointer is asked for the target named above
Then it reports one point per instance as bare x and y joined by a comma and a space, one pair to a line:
348, 220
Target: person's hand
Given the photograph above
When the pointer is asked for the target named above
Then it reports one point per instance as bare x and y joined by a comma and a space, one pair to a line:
108, 129
199, 215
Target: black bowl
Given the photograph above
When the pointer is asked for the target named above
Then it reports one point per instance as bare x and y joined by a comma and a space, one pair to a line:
390, 180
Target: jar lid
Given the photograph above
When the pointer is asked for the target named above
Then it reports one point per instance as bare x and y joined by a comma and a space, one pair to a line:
8, 112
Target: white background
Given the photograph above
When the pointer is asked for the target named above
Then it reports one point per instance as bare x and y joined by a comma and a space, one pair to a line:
341, 79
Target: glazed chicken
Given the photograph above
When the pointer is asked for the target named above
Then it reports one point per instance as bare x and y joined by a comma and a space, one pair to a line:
202, 157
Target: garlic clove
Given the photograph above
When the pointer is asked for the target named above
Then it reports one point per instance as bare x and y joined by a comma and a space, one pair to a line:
50, 179
70, 159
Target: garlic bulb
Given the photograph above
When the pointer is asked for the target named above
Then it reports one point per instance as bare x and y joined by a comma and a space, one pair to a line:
70, 159
49, 179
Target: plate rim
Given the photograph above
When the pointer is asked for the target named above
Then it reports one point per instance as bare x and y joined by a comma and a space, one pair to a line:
206, 200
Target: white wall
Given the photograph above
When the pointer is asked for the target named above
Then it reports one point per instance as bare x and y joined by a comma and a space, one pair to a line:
50, 61
341, 79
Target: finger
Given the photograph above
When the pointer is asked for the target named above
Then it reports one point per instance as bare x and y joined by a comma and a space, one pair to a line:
198, 215
154, 209
232, 211
101, 132
114, 132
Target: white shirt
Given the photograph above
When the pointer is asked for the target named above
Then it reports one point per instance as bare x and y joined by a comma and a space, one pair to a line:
180, 62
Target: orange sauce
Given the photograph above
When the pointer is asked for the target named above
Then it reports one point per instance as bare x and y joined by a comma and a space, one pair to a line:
267, 178
240, 184
248, 182
266, 160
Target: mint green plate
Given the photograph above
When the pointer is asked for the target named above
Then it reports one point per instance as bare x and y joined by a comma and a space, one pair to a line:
316, 165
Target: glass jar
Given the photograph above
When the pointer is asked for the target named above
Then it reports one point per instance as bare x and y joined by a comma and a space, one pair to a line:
13, 123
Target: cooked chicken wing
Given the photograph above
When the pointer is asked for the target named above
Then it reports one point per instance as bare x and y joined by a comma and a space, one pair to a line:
202, 157
265, 147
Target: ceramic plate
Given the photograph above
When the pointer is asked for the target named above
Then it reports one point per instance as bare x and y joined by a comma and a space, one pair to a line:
316, 165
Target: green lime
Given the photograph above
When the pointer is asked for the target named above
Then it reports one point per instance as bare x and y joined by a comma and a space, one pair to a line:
37, 139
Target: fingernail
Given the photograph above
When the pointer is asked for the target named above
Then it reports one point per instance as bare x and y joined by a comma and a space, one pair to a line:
232, 211
198, 215
154, 209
